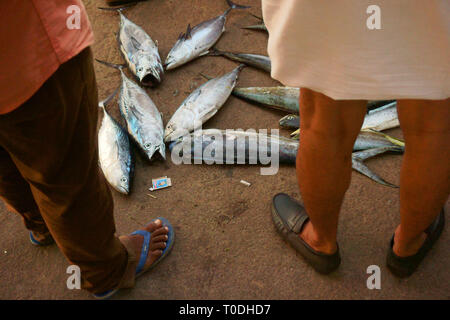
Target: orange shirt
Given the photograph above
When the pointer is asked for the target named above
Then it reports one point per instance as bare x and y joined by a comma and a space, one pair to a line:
36, 37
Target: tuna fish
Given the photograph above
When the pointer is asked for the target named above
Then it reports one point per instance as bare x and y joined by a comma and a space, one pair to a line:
254, 60
282, 98
144, 122
243, 147
197, 41
139, 51
114, 151
201, 105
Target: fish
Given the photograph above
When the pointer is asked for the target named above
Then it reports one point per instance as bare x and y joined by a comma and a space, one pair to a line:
144, 121
114, 153
246, 149
139, 51
281, 98
382, 118
201, 105
358, 162
370, 139
287, 100
254, 60
291, 121
374, 104
198, 40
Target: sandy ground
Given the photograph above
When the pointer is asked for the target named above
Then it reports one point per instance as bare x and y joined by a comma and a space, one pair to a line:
226, 246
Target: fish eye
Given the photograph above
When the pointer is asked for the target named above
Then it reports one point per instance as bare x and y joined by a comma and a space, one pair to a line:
147, 146
123, 179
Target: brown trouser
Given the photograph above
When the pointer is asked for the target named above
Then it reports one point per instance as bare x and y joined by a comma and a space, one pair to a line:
49, 173
328, 131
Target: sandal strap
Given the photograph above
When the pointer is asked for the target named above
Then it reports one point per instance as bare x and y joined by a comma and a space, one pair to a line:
144, 250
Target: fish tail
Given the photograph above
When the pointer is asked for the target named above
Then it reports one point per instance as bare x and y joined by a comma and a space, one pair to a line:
112, 65
236, 6
107, 100
119, 8
359, 166
215, 52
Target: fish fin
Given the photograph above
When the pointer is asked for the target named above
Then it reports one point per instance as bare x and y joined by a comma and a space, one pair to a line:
188, 35
108, 99
119, 8
204, 53
135, 43
359, 166
370, 153
112, 65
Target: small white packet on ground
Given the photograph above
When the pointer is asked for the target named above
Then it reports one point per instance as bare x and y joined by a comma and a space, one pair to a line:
160, 183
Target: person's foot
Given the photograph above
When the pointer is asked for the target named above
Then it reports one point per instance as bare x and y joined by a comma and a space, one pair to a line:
310, 237
410, 248
157, 242
290, 220
41, 238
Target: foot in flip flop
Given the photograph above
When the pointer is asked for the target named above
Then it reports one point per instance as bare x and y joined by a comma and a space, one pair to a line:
149, 245
158, 242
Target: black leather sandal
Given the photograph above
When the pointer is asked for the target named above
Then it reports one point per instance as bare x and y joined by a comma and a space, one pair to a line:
403, 267
289, 217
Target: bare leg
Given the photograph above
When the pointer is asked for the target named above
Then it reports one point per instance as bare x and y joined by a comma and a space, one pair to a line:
328, 132
425, 174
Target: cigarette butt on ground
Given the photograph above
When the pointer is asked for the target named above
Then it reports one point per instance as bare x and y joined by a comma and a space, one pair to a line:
248, 184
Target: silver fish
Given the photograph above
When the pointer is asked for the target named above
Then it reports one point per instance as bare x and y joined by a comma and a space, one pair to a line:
282, 98
287, 99
144, 122
291, 121
254, 60
114, 151
382, 118
197, 41
201, 105
246, 152
139, 51
358, 162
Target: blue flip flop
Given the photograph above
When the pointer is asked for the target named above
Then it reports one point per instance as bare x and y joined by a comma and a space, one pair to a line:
38, 243
144, 254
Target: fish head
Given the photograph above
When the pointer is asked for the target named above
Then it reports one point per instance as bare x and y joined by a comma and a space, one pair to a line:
124, 185
172, 133
149, 72
177, 55
150, 149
